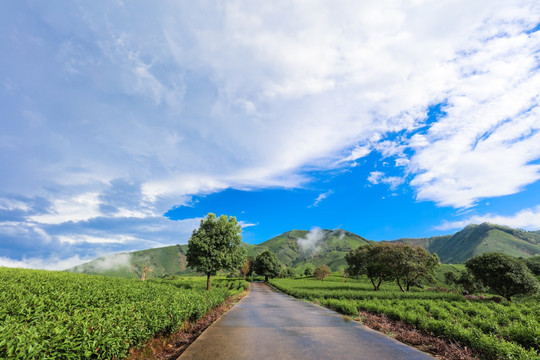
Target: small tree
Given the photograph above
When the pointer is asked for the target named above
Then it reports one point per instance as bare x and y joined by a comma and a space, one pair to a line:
246, 268
267, 264
289, 272
308, 271
215, 246
504, 274
322, 272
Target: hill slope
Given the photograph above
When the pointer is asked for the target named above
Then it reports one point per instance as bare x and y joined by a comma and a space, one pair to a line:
301, 248
296, 248
169, 260
475, 240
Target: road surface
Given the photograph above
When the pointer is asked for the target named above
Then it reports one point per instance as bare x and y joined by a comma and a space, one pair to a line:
268, 324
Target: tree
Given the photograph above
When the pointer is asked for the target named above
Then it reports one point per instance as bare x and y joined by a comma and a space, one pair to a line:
409, 264
308, 271
287, 272
321, 272
247, 267
504, 274
215, 246
368, 260
465, 280
267, 264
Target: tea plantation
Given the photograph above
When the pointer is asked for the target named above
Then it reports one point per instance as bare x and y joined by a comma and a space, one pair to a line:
505, 330
59, 315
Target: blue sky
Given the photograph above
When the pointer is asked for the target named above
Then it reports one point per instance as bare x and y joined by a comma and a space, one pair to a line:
123, 123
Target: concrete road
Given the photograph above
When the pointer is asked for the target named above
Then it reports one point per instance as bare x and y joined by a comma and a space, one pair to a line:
268, 324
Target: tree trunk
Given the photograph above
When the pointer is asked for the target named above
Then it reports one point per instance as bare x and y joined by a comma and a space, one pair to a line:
379, 283
207, 282
408, 286
265, 278
373, 283
399, 284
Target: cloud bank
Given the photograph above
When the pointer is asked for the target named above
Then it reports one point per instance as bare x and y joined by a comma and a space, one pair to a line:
115, 112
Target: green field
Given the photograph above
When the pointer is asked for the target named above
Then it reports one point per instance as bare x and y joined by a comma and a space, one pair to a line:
506, 330
59, 315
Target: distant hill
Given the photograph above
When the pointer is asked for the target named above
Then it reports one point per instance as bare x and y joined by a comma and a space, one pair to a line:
296, 248
301, 248
475, 240
169, 260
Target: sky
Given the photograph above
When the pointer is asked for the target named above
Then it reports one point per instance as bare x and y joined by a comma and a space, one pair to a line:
123, 123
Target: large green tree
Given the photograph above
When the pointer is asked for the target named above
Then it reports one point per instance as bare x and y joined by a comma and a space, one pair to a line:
504, 274
369, 260
267, 264
215, 246
409, 264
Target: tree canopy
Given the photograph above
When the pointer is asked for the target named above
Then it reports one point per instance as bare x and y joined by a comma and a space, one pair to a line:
215, 246
504, 274
368, 260
267, 264
379, 261
308, 271
322, 272
409, 264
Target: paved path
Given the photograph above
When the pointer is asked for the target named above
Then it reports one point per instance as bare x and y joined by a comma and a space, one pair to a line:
268, 324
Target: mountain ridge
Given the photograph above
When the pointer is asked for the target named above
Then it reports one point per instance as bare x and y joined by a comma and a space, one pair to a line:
301, 248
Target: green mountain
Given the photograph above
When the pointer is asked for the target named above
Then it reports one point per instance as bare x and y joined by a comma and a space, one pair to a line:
301, 248
296, 248
475, 240
169, 260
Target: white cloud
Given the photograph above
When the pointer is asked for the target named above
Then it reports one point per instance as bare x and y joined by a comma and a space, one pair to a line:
75, 239
114, 119
12, 204
526, 219
113, 261
244, 224
357, 152
321, 197
378, 177
375, 177
79, 208
310, 243
53, 263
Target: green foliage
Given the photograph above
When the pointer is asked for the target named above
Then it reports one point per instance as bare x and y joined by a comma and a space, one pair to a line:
322, 272
267, 265
332, 248
369, 260
506, 330
505, 275
466, 281
287, 273
215, 246
406, 264
308, 271
475, 240
59, 315
533, 263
